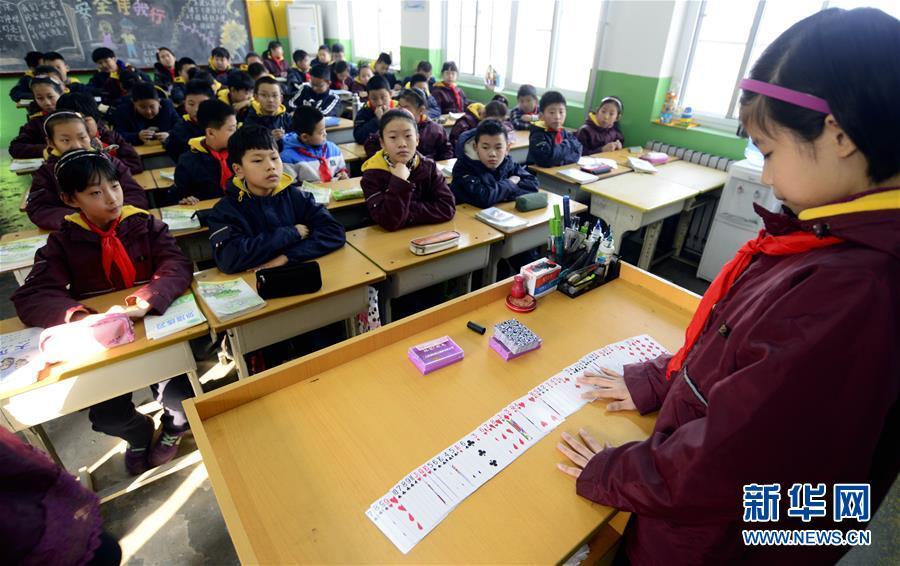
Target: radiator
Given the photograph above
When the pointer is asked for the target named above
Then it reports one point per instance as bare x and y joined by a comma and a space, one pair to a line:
691, 155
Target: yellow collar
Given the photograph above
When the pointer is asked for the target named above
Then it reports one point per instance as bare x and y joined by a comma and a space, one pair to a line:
379, 162
885, 200
477, 109
127, 210
224, 96
29, 73
258, 109
196, 144
51, 152
284, 183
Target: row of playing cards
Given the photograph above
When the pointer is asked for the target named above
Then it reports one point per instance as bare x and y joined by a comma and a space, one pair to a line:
421, 500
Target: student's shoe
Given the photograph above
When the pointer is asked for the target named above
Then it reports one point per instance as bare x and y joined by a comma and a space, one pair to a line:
165, 448
136, 461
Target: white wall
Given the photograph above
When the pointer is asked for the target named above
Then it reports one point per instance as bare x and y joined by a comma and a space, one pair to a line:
422, 24
642, 37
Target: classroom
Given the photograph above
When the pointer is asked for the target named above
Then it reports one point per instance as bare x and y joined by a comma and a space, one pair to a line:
581, 282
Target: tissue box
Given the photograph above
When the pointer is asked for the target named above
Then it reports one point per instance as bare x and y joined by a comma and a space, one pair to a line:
540, 277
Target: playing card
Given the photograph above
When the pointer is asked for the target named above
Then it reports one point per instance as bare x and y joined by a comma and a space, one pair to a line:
542, 416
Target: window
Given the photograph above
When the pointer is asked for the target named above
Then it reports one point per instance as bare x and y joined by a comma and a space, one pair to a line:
375, 27
726, 40
549, 44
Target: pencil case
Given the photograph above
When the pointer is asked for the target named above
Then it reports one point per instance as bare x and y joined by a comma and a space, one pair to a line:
531, 201
347, 194
84, 338
434, 243
288, 280
202, 216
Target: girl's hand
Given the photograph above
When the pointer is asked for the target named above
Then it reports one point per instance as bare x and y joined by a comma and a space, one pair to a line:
146, 135
161, 136
379, 112
400, 170
189, 200
342, 175
611, 146
579, 452
278, 133
609, 385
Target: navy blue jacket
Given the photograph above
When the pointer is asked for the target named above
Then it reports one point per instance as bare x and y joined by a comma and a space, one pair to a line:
365, 124
474, 183
22, 89
197, 174
184, 131
543, 150
128, 122
246, 231
327, 102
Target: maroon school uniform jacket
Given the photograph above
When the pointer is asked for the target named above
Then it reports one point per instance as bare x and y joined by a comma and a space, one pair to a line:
795, 379
46, 209
30, 142
124, 153
443, 94
433, 142
393, 203
69, 269
469, 121
593, 137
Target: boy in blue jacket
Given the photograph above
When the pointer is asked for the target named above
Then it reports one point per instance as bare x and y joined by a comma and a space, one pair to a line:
188, 128
379, 101
267, 111
203, 172
484, 173
307, 152
549, 144
263, 221
143, 117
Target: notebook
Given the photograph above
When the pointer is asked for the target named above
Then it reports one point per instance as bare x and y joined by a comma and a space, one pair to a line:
20, 253
182, 314
179, 218
497, 218
578, 176
230, 298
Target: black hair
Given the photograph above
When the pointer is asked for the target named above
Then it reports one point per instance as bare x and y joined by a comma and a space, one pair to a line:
844, 57
274, 45
198, 86
52, 56
490, 127
551, 97
181, 63
417, 78
424, 66
337, 48
45, 80
500, 98
325, 47
240, 81
101, 53
396, 114
61, 117
299, 55
256, 70
80, 102
198, 74
494, 109
527, 90
158, 49
620, 108
449, 66
46, 70
249, 137
251, 54
341, 67
78, 169
415, 96
265, 80
213, 114
144, 91
128, 78
384, 58
33, 59
321, 72
305, 119
377, 82
220, 52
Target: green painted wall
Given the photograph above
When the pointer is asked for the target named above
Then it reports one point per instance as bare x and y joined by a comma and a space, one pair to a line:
10, 116
347, 43
410, 57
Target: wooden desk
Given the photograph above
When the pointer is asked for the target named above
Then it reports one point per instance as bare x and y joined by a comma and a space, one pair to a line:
23, 203
146, 180
517, 240
153, 155
296, 455
448, 163
350, 213
346, 275
448, 122
20, 273
341, 133
408, 272
354, 149
701, 178
22, 172
549, 178
162, 182
519, 149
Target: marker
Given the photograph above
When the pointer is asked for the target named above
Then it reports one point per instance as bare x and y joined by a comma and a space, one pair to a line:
566, 221
475, 327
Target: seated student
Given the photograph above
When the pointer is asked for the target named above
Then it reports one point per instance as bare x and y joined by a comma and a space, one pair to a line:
338, 55
102, 138
182, 67
239, 93
600, 131
267, 111
475, 113
379, 101
433, 140
403, 188
422, 68
143, 117
420, 81
273, 59
526, 111
257, 71
187, 128
360, 82
340, 75
382, 68
484, 173
219, 63
317, 93
202, 172
107, 245
323, 56
164, 69
549, 144
58, 62
22, 89
106, 81
307, 154
67, 131
447, 93
299, 72
32, 140
250, 58
264, 220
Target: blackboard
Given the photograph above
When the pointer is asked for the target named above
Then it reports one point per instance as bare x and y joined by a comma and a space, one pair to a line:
131, 28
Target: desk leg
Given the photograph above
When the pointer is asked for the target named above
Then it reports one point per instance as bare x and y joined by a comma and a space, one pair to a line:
651, 237
237, 350
195, 382
489, 273
684, 222
37, 437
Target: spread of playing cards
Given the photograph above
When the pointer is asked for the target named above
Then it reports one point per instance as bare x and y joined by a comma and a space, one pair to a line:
421, 500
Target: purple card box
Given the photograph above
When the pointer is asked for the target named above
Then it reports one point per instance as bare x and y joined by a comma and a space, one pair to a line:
435, 354
498, 347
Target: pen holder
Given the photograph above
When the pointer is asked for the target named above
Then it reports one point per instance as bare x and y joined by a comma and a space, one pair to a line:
578, 282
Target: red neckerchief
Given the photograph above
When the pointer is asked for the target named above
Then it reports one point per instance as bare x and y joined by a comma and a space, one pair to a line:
324, 170
456, 95
557, 139
391, 106
171, 72
113, 251
222, 158
788, 244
